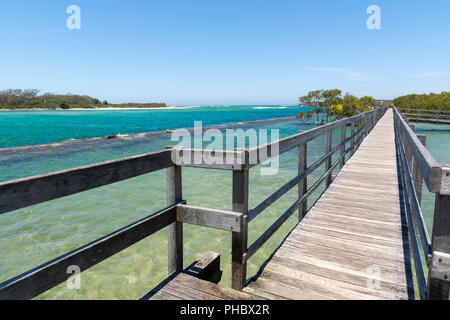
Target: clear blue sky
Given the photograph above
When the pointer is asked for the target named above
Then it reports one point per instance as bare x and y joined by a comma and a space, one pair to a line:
196, 52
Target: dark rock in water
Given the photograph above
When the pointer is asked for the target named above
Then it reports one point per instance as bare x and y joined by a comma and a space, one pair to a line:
111, 137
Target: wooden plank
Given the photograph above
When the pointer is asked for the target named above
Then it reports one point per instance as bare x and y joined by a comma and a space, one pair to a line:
211, 218
344, 289
40, 279
440, 266
25, 192
343, 132
210, 288
239, 239
303, 183
417, 175
175, 232
210, 159
437, 289
328, 142
207, 267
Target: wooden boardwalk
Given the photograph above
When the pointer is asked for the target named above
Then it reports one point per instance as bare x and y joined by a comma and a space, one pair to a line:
353, 243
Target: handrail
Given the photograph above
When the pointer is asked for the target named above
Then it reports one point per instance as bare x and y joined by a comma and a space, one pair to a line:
260, 207
291, 142
437, 178
420, 275
429, 168
21, 193
425, 110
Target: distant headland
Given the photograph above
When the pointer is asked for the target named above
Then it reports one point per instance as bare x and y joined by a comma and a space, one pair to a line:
30, 99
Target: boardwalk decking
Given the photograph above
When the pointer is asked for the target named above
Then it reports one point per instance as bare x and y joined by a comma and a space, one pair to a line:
353, 243
186, 287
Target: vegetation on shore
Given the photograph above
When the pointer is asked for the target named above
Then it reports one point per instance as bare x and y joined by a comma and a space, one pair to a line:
432, 101
14, 99
325, 103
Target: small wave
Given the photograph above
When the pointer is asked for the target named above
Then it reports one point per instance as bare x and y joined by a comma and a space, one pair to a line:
269, 107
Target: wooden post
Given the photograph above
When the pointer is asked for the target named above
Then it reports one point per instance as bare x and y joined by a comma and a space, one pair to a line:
328, 143
437, 289
174, 195
407, 147
239, 239
353, 138
303, 184
417, 175
342, 162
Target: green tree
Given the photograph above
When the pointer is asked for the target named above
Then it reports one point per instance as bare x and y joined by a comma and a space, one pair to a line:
367, 103
350, 105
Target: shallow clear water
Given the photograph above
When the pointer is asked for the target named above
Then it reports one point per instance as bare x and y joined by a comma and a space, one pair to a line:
19, 128
34, 235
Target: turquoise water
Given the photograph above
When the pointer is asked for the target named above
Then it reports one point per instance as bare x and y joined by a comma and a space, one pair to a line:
21, 128
438, 143
34, 235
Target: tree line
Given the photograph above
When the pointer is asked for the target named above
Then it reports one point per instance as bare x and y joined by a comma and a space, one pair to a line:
31, 99
325, 103
432, 101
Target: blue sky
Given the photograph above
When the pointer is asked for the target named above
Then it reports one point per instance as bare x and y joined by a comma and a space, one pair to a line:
197, 52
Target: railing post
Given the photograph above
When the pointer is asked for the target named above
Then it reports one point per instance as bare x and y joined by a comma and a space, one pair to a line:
438, 289
417, 175
361, 133
174, 195
342, 151
328, 142
303, 184
353, 138
239, 239
408, 148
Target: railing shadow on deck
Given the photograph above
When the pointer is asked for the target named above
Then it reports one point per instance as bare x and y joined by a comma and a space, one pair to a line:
33, 190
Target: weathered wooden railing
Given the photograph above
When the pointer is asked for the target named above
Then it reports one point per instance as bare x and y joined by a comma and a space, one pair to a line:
25, 192
424, 115
417, 165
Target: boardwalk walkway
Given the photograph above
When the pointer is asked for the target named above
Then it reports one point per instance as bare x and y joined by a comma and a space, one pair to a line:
353, 243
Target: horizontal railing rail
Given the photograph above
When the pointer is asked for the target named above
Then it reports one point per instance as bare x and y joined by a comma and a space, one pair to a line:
430, 169
416, 165
29, 191
415, 111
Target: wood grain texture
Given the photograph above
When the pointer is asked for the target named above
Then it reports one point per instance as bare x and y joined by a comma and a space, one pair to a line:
353, 244
25, 192
187, 287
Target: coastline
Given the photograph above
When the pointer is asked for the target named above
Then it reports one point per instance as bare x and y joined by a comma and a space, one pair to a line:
124, 137
86, 109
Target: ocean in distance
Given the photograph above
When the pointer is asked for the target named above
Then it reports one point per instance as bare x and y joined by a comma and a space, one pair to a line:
36, 234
